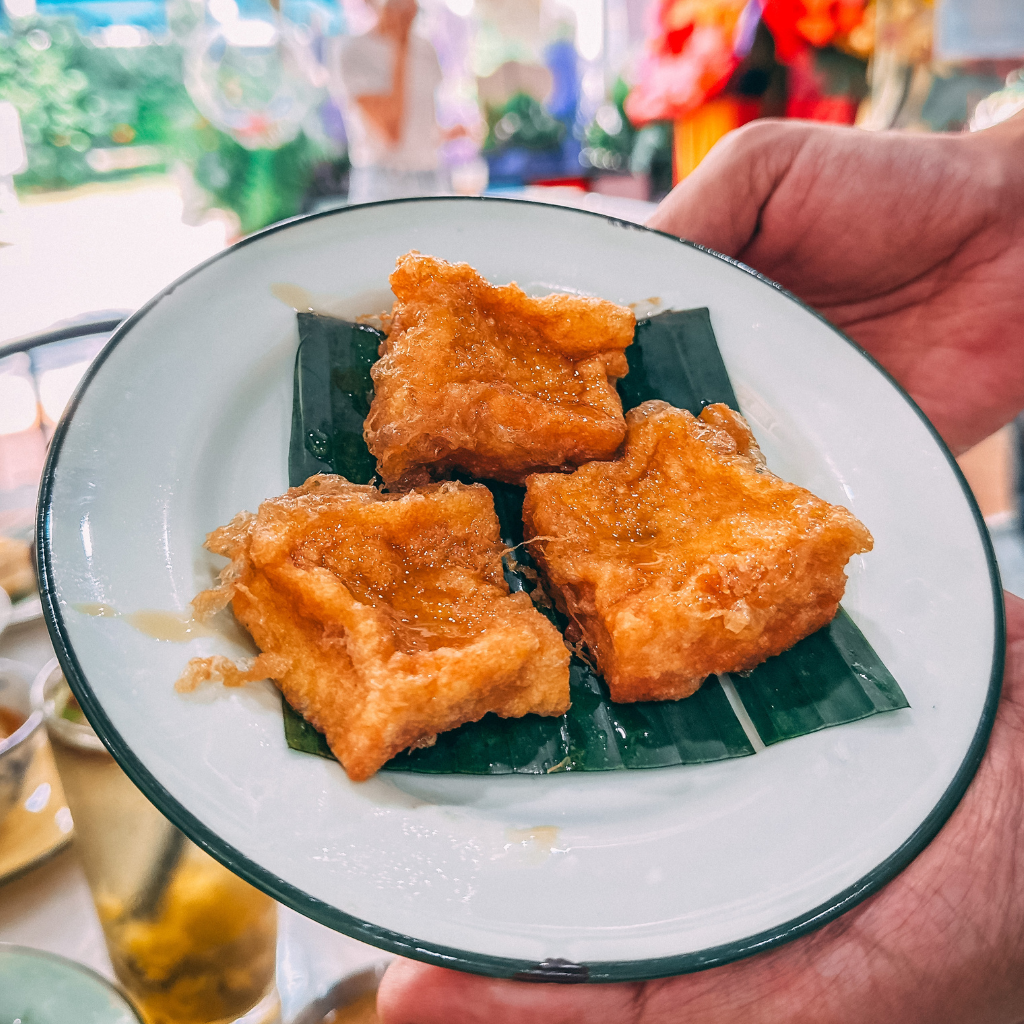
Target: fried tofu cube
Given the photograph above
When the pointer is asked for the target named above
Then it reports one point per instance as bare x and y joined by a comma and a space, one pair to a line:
685, 556
492, 382
383, 618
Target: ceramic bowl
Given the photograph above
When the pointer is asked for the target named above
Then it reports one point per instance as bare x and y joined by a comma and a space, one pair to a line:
47, 989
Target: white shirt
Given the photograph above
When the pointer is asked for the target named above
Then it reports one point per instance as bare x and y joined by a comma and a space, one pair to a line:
367, 66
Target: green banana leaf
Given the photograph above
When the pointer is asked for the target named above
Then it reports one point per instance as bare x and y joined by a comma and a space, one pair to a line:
828, 679
331, 397
675, 357
833, 676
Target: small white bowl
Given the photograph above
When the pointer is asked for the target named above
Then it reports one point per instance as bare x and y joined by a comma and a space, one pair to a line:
18, 749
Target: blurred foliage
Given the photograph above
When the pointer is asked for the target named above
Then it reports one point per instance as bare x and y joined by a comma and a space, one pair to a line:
609, 138
261, 186
74, 97
612, 143
522, 123
841, 74
652, 155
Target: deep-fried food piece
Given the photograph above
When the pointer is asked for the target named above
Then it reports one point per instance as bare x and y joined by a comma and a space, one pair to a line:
384, 619
490, 381
686, 556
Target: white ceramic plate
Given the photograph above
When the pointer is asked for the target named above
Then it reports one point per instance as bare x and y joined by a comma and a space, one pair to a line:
184, 420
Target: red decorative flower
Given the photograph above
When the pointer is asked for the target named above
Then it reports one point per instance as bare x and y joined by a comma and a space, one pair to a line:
797, 24
690, 58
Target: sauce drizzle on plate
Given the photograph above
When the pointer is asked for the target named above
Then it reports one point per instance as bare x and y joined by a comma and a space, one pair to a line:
177, 627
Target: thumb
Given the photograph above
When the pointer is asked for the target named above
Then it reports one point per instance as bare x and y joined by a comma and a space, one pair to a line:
719, 204
414, 993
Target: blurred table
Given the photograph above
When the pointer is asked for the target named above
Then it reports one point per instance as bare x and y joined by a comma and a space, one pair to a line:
96, 247
635, 210
50, 907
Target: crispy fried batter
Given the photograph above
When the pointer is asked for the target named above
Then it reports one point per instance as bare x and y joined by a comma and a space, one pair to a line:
686, 556
490, 381
386, 618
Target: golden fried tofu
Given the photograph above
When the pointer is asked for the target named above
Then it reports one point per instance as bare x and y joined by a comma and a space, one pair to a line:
384, 619
493, 382
685, 556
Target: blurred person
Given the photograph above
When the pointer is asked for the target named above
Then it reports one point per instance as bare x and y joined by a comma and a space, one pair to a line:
914, 246
389, 75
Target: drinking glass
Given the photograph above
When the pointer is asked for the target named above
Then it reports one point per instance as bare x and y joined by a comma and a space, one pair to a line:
191, 942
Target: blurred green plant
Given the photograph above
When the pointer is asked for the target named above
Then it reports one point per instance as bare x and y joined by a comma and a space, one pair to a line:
522, 123
611, 143
262, 185
652, 155
609, 138
76, 98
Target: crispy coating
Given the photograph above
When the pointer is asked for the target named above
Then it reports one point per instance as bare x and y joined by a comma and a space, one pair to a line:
491, 381
384, 619
686, 556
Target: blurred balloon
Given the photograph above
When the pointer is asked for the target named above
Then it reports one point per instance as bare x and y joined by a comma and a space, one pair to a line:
255, 78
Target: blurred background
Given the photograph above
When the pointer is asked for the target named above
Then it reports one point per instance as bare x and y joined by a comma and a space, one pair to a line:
140, 137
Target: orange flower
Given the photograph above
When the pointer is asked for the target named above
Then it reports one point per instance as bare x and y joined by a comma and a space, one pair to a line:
796, 23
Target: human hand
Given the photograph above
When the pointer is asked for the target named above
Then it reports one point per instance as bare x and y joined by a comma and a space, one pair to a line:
911, 244
943, 943
914, 246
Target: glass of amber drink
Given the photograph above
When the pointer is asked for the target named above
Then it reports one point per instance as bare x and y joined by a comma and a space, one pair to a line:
190, 942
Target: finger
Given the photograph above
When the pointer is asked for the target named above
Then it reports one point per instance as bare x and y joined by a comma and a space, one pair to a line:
770, 989
1013, 681
1014, 618
414, 993
719, 204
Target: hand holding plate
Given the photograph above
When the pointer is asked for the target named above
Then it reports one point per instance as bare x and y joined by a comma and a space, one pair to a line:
940, 944
912, 244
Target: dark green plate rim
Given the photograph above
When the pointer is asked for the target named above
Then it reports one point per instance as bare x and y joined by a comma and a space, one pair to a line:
467, 960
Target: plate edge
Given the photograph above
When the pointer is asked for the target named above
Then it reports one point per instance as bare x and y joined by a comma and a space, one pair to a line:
489, 965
